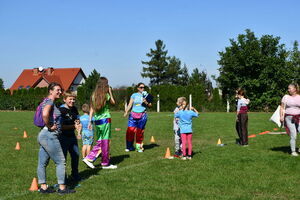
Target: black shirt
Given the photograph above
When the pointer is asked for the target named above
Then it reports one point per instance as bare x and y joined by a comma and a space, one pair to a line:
68, 117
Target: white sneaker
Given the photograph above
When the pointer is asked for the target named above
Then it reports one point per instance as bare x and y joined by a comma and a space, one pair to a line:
88, 163
110, 167
127, 150
140, 151
294, 154
183, 158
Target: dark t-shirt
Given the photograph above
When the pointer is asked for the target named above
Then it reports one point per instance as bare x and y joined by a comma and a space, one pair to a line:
68, 117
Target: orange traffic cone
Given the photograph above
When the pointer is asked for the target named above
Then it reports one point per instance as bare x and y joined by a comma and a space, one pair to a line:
168, 154
34, 185
219, 141
25, 134
18, 146
252, 136
152, 140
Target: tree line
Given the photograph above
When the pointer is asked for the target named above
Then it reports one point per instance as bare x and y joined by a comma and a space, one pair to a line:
263, 66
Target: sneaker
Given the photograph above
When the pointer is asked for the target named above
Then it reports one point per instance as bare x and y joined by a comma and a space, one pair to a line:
294, 154
110, 167
189, 157
88, 163
49, 190
183, 158
127, 150
65, 191
140, 151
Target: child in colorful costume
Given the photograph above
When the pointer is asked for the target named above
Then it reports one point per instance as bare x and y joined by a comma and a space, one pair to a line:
100, 101
137, 119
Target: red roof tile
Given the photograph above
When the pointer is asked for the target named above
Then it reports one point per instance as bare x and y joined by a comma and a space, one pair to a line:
31, 77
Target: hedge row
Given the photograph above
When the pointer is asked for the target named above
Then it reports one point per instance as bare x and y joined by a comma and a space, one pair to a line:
29, 99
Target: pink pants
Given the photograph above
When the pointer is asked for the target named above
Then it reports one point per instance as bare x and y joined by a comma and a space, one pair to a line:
186, 137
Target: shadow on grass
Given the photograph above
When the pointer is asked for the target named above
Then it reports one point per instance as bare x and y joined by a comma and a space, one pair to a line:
150, 146
118, 159
284, 149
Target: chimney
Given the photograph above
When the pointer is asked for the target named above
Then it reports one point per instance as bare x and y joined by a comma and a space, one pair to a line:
50, 71
35, 71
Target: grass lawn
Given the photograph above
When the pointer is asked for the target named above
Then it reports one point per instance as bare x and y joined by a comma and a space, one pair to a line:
263, 170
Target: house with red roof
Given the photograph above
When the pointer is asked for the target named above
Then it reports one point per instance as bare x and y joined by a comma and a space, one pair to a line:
69, 78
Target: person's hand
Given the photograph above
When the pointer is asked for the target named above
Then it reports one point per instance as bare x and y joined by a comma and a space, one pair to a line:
90, 127
281, 118
53, 128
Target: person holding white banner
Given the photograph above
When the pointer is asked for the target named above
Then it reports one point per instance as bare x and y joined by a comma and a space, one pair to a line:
290, 114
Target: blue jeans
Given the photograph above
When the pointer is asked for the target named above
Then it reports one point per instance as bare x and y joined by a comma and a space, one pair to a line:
50, 149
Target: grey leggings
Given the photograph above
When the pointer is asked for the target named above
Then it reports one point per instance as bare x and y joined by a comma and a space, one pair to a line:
294, 128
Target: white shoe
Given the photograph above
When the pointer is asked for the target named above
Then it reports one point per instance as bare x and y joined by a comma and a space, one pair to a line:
88, 163
140, 151
294, 154
110, 167
127, 150
183, 158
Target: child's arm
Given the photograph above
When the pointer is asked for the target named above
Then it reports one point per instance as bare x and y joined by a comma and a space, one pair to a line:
90, 118
112, 100
128, 107
194, 109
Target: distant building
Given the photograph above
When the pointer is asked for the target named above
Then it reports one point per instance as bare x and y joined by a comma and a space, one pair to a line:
69, 78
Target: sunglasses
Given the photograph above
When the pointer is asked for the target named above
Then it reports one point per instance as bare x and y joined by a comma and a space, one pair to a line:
142, 87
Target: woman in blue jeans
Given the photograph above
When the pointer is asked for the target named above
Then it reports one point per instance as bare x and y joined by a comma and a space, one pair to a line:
49, 144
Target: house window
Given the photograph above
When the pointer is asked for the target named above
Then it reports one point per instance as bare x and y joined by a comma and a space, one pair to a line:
20, 87
27, 87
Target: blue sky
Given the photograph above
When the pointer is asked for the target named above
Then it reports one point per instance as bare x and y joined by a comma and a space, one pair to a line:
114, 36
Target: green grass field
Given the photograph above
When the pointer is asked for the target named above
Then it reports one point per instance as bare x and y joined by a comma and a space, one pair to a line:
263, 170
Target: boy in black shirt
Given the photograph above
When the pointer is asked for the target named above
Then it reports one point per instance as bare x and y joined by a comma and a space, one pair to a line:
68, 140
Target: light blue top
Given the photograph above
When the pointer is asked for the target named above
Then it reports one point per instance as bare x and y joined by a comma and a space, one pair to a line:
84, 120
137, 103
185, 120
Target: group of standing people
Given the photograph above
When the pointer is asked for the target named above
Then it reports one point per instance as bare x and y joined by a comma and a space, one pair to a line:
57, 137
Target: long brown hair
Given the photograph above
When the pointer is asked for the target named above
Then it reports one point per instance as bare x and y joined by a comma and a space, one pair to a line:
98, 99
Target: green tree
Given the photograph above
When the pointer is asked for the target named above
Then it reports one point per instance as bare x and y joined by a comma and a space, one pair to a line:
294, 61
257, 65
85, 91
201, 78
157, 65
1, 84
184, 76
173, 71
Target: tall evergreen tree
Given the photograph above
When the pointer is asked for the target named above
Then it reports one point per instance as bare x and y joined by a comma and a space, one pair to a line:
157, 64
173, 71
201, 78
1, 84
85, 91
184, 77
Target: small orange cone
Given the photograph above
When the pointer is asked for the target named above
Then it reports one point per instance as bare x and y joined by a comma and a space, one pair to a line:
252, 136
219, 141
34, 185
15, 128
275, 129
152, 140
168, 154
18, 146
25, 134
